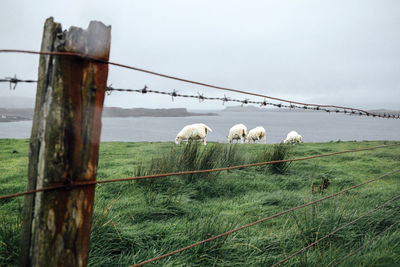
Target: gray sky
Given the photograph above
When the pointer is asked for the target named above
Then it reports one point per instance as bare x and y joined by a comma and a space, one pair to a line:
342, 52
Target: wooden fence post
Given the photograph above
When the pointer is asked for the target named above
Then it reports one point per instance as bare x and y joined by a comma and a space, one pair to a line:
64, 145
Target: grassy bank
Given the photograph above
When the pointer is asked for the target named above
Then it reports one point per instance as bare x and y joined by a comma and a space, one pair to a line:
134, 221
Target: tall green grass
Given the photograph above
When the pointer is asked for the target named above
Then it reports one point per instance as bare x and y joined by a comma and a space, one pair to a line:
135, 221
276, 153
194, 156
10, 229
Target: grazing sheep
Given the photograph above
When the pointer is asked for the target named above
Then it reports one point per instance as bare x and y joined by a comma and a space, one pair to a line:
238, 131
256, 134
193, 132
293, 137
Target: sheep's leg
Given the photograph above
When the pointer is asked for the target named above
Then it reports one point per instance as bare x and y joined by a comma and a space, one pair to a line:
204, 142
265, 139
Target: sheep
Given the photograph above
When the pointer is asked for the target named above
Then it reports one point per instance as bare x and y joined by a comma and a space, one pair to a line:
238, 131
193, 132
256, 134
293, 137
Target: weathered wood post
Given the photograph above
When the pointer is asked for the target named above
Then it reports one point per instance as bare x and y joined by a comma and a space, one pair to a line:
64, 145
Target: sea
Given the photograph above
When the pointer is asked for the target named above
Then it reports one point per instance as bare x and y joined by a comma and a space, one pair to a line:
313, 126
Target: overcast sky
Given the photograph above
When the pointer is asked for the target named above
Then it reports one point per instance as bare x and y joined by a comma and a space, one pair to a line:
342, 52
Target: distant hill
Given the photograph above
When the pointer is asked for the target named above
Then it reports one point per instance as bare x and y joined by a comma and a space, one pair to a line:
146, 112
15, 114
18, 114
16, 102
243, 109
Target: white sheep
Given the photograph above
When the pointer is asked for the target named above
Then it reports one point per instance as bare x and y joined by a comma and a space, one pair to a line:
193, 132
256, 134
238, 131
293, 137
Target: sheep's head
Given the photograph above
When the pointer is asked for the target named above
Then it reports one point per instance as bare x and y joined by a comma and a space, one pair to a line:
178, 140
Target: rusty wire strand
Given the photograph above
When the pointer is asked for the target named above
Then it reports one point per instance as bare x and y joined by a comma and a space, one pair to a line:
264, 219
225, 99
363, 246
100, 60
71, 184
335, 231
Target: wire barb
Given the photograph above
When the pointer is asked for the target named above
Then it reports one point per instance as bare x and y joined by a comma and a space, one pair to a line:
174, 94
109, 89
201, 97
144, 90
225, 99
264, 103
13, 81
245, 102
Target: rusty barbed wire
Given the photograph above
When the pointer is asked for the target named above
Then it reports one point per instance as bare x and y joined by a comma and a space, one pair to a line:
263, 220
100, 60
335, 231
69, 184
14, 81
199, 96
363, 246
246, 101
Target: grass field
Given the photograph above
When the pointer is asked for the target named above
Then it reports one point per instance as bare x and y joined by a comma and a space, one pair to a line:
135, 221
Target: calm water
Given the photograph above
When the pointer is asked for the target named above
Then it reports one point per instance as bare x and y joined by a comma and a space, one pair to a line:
313, 126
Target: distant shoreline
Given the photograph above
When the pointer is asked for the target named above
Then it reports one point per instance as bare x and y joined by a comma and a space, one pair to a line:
146, 112
14, 119
25, 114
